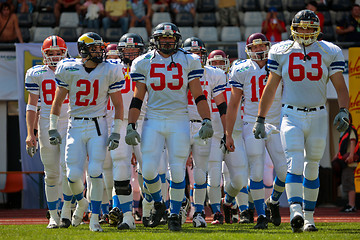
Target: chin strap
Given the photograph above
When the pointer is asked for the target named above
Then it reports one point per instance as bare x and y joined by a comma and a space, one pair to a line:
172, 62
306, 57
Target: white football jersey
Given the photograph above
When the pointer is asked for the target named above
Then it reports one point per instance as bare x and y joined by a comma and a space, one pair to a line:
251, 79
40, 80
167, 84
305, 81
88, 92
213, 83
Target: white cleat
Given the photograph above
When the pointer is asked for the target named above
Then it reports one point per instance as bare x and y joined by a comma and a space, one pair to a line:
79, 212
128, 222
54, 222
309, 223
296, 218
184, 210
147, 207
199, 220
94, 224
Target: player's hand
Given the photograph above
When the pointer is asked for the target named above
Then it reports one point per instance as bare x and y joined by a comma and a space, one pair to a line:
223, 145
113, 141
230, 143
259, 128
54, 137
206, 130
132, 136
31, 150
343, 119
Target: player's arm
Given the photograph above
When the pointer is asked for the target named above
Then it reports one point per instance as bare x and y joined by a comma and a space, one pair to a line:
231, 114
31, 115
136, 102
116, 99
200, 99
59, 98
268, 95
220, 102
338, 81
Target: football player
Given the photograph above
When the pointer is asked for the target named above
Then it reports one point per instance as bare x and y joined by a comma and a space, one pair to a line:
166, 73
40, 82
248, 79
89, 81
304, 65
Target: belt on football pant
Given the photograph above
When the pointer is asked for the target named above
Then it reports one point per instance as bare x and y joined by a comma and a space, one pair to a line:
95, 119
197, 121
305, 109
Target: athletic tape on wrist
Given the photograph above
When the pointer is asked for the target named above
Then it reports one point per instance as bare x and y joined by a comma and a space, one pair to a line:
116, 126
53, 121
30, 107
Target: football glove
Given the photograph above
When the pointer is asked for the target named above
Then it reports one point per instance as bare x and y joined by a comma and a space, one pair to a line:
132, 136
206, 130
223, 145
54, 137
31, 150
113, 141
343, 119
259, 128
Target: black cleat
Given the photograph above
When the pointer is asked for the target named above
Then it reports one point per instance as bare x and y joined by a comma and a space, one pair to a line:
115, 217
146, 221
251, 215
157, 214
310, 228
65, 223
104, 219
244, 216
275, 217
297, 224
218, 218
174, 223
235, 215
227, 212
261, 223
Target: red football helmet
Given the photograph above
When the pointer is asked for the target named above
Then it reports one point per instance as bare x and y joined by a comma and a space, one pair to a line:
53, 43
257, 39
111, 50
219, 55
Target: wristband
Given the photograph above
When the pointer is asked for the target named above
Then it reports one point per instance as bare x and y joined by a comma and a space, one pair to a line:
30, 107
344, 110
116, 126
53, 121
260, 119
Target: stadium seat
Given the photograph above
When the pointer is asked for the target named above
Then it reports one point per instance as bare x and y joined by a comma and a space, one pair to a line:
341, 5
184, 19
230, 34
40, 33
231, 51
25, 20
69, 19
329, 33
186, 32
25, 33
46, 19
160, 17
251, 30
295, 5
113, 35
327, 18
273, 3
208, 34
69, 34
252, 19
250, 5
206, 6
340, 16
14, 183
206, 19
46, 5
141, 31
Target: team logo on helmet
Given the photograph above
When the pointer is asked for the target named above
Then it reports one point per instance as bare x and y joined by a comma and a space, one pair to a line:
305, 19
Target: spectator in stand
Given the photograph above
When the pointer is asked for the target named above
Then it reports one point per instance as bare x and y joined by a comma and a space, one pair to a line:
93, 10
183, 6
349, 29
345, 163
161, 6
26, 6
313, 5
116, 14
141, 14
228, 13
273, 27
66, 6
9, 25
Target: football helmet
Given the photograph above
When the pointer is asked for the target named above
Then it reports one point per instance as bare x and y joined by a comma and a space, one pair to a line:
194, 44
256, 39
166, 29
87, 40
111, 50
305, 19
53, 43
219, 55
130, 41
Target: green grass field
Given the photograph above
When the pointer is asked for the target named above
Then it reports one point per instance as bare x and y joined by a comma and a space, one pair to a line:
336, 231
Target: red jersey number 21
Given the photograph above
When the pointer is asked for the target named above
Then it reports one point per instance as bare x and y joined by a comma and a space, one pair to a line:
86, 92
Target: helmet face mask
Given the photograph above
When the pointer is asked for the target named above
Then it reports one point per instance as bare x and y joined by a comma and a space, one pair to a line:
219, 59
53, 43
257, 39
197, 46
305, 19
130, 46
86, 44
162, 38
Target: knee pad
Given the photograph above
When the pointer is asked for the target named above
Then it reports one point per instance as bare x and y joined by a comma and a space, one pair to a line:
315, 149
74, 174
122, 187
52, 180
199, 176
311, 171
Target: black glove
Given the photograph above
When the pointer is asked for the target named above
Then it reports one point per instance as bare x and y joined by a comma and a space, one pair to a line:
223, 145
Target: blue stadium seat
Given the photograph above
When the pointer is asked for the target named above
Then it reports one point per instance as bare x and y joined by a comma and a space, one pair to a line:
295, 5
69, 19
329, 33
46, 19
184, 19
208, 34
250, 5
186, 32
341, 5
340, 16
229, 33
69, 34
273, 3
206, 19
206, 6
40, 33
141, 31
25, 33
46, 5
113, 34
160, 17
252, 19
25, 19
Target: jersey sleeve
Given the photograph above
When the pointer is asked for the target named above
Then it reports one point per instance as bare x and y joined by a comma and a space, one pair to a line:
220, 82
195, 70
117, 78
236, 75
273, 62
137, 72
60, 75
338, 64
32, 83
